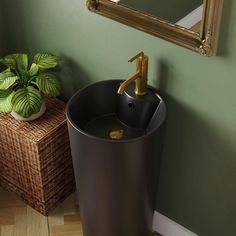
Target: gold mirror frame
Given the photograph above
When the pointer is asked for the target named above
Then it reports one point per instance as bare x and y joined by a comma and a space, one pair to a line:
204, 42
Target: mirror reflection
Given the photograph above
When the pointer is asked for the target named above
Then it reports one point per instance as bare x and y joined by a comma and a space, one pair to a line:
185, 13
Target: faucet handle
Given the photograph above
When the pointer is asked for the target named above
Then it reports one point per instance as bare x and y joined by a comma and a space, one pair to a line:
141, 54
140, 77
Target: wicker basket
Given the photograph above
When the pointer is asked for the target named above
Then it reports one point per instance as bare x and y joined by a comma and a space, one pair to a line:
35, 158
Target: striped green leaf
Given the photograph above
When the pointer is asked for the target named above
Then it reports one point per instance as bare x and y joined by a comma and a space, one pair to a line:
10, 60
48, 84
5, 100
46, 60
22, 63
33, 70
7, 79
27, 101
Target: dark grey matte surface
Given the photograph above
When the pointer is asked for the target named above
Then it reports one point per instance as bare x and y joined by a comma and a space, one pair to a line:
136, 111
116, 181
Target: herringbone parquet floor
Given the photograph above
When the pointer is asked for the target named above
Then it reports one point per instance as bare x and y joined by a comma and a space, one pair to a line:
18, 219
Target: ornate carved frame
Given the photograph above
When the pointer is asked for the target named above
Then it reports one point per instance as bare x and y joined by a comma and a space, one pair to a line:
204, 42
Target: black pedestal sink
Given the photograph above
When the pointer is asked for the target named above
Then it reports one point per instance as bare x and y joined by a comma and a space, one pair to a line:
114, 177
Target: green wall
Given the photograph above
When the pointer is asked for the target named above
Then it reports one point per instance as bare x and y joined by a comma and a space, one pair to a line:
167, 10
2, 37
198, 173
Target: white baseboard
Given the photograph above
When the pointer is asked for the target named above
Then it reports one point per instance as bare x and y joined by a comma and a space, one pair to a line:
168, 227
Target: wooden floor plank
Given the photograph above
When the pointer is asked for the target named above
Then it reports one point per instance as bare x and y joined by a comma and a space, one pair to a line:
7, 230
37, 224
20, 222
8, 200
18, 219
70, 205
56, 217
72, 219
7, 216
67, 230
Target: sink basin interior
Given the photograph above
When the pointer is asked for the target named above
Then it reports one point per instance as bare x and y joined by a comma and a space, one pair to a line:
94, 111
103, 126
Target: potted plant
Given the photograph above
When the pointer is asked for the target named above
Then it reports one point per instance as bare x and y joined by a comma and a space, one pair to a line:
22, 87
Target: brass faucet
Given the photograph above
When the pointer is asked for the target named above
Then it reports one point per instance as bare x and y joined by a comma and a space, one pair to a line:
140, 77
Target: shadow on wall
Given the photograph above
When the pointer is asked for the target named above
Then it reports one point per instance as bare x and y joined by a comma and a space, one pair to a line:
198, 170
198, 174
15, 24
223, 49
2, 34
72, 77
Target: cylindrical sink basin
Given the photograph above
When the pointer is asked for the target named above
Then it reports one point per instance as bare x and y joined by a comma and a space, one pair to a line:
114, 175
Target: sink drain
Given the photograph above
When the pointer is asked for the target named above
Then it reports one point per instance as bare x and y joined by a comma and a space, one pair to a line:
116, 134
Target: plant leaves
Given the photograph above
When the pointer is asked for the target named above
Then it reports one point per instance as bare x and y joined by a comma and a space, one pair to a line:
7, 79
46, 60
22, 63
33, 70
5, 100
48, 84
27, 101
10, 60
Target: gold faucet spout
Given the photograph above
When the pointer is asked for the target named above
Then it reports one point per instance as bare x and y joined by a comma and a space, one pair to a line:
140, 77
123, 85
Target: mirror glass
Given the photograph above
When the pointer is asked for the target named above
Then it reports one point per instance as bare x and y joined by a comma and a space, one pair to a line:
185, 13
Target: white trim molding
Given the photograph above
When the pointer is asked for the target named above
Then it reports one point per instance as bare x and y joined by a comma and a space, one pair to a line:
168, 227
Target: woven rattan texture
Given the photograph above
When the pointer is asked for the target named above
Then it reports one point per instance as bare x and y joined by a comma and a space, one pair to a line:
35, 158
